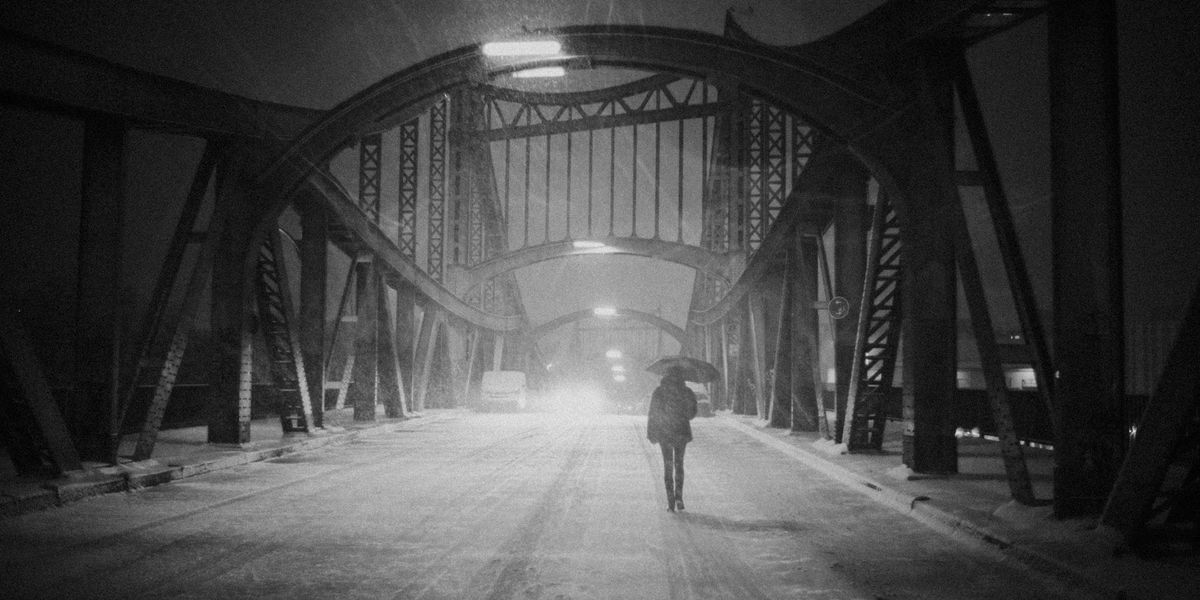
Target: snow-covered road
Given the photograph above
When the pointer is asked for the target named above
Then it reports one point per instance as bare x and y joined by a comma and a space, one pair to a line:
499, 506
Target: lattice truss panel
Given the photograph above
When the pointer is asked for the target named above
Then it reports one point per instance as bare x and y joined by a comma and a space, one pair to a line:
667, 158
778, 147
586, 166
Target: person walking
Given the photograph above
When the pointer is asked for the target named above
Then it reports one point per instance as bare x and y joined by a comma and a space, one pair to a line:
672, 407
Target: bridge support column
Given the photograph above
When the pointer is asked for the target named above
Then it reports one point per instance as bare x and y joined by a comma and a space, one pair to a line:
313, 276
743, 384
406, 339
363, 392
1088, 305
235, 217
804, 371
458, 347
921, 157
94, 412
390, 380
780, 411
727, 365
497, 362
850, 222
756, 314
426, 346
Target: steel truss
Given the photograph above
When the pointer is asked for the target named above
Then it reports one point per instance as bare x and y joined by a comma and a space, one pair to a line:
437, 187
409, 184
518, 115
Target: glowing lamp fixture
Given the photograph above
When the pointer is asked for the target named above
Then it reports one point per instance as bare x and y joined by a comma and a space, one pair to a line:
523, 48
604, 311
540, 72
614, 353
618, 377
586, 244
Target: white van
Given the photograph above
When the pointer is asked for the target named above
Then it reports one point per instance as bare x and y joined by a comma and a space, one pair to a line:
703, 400
502, 389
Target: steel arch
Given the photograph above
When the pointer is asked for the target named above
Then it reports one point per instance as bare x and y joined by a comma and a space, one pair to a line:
804, 80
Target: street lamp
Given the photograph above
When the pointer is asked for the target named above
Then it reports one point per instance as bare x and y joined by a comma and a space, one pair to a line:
537, 72
523, 48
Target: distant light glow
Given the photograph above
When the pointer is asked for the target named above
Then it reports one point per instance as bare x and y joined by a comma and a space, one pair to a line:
618, 368
584, 244
618, 377
523, 48
614, 353
575, 400
604, 311
541, 72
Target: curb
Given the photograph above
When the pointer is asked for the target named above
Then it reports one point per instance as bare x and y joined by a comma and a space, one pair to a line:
31, 497
935, 518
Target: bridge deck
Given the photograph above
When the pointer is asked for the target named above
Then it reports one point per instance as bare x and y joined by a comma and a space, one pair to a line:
466, 505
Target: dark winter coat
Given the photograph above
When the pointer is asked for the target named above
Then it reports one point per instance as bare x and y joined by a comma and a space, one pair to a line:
671, 408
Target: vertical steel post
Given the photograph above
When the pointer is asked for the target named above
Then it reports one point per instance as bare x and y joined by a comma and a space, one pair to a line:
849, 271
805, 376
930, 279
406, 339
95, 411
362, 391
1086, 238
232, 323
426, 345
390, 377
311, 325
755, 314
780, 412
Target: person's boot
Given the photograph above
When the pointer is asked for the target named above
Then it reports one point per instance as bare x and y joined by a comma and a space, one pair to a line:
678, 499
670, 498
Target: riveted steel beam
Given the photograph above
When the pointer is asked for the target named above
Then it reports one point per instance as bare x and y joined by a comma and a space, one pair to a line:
57, 78
710, 263
666, 326
808, 195
393, 263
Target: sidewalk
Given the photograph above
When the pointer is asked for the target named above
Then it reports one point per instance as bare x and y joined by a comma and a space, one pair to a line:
975, 506
181, 453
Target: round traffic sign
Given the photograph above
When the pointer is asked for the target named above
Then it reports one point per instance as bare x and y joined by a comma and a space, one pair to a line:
839, 307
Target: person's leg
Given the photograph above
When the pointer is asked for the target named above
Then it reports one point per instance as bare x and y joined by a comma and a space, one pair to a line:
679, 450
668, 455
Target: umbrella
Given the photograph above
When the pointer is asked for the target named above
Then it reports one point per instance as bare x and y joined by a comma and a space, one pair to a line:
693, 369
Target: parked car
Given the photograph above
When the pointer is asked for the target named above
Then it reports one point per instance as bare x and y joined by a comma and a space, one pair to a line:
502, 390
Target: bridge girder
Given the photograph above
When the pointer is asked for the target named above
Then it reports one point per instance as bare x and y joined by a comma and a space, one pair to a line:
706, 261
334, 197
72, 81
807, 199
621, 313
